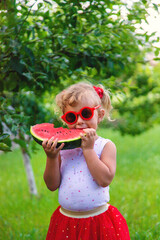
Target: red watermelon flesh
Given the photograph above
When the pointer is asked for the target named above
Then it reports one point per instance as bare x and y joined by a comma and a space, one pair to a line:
71, 137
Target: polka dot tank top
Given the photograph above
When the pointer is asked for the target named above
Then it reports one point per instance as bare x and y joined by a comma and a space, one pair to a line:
78, 190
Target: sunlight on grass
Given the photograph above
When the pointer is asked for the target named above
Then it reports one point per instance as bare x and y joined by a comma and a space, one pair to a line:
134, 190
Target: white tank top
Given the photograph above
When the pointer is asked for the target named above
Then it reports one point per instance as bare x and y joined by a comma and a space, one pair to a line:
78, 190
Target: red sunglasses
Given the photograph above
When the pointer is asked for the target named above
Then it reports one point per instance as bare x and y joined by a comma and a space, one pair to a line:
86, 113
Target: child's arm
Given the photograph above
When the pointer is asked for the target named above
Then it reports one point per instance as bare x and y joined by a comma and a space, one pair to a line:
52, 175
102, 171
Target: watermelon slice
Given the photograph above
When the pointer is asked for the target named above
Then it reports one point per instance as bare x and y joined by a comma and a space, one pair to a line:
71, 137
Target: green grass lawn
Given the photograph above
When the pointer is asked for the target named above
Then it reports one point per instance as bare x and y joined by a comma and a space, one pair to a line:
135, 190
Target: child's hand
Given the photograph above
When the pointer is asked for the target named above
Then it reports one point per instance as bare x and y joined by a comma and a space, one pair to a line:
50, 147
88, 138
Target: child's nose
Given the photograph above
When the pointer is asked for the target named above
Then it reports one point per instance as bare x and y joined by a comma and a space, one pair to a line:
79, 119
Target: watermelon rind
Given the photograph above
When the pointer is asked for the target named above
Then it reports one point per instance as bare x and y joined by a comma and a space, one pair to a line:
69, 143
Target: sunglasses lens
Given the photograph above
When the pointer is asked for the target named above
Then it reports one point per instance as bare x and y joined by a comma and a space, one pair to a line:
70, 117
86, 113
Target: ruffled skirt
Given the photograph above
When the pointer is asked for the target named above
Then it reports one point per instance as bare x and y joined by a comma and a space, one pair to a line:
109, 225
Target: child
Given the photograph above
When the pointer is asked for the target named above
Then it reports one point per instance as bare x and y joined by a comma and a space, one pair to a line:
83, 175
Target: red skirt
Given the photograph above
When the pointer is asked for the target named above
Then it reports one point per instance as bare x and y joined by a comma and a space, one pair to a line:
109, 225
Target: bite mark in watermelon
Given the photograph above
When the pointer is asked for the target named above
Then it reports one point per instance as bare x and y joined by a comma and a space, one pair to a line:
71, 137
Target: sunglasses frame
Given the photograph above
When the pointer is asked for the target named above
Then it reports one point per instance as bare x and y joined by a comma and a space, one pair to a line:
79, 113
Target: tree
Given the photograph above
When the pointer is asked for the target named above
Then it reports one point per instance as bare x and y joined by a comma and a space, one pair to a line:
138, 106
56, 45
18, 112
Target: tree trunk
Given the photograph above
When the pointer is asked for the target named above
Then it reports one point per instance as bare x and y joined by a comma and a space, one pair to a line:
29, 172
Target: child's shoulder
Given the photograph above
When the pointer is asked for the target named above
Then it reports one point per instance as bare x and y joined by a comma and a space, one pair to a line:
101, 140
105, 146
100, 143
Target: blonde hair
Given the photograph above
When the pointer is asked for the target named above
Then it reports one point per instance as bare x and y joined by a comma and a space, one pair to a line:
73, 95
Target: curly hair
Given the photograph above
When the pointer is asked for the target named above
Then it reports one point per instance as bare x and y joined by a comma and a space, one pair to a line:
73, 95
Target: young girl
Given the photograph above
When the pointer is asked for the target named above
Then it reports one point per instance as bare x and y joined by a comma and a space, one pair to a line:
83, 175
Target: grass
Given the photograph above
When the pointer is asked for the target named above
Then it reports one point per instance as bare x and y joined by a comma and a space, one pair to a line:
134, 190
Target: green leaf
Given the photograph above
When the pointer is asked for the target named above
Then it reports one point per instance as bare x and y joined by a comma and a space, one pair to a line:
16, 65
155, 7
22, 143
157, 51
30, 53
4, 147
47, 2
4, 136
28, 75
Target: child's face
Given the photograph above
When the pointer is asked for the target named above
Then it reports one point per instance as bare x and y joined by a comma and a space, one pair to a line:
81, 123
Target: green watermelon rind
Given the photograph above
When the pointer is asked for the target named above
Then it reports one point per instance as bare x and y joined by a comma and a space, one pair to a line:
69, 143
